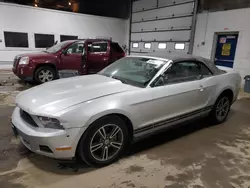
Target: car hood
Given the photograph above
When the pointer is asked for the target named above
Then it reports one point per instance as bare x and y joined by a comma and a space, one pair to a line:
35, 55
58, 95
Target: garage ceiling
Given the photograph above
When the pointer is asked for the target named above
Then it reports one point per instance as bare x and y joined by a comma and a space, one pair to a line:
162, 26
110, 8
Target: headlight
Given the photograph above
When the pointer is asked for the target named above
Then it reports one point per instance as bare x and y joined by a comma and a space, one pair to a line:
50, 123
24, 61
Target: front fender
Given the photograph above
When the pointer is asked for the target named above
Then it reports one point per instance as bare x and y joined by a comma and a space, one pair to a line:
45, 60
84, 114
106, 113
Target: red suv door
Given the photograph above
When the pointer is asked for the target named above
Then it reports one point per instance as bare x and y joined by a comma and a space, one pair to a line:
72, 57
98, 56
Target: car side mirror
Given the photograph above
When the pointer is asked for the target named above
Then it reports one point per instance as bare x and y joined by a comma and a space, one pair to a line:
64, 52
160, 81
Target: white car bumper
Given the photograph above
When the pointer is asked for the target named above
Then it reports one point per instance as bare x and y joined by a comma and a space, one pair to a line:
59, 144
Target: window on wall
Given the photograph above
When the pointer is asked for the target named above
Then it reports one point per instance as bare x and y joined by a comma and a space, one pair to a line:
67, 37
135, 45
179, 46
162, 45
16, 39
147, 45
44, 40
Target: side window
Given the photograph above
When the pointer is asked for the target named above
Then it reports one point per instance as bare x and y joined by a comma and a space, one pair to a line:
180, 72
76, 48
205, 72
99, 47
116, 48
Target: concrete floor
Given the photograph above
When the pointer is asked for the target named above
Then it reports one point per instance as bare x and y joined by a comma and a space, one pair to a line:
195, 155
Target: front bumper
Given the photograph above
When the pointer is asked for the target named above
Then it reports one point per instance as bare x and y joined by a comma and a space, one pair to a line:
59, 144
23, 71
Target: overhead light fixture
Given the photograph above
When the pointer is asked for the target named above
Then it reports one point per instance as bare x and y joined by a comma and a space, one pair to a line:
36, 5
69, 3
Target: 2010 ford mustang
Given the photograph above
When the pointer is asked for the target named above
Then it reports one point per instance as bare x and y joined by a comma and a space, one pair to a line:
96, 116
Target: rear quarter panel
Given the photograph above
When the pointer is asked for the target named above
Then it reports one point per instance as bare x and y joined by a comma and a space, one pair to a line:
229, 80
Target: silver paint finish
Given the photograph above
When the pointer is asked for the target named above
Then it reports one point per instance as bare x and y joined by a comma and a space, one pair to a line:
78, 102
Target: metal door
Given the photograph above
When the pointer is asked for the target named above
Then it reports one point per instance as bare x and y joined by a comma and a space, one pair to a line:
225, 50
177, 101
97, 56
160, 26
72, 58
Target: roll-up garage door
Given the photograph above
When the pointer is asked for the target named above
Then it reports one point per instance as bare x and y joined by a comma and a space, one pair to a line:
162, 26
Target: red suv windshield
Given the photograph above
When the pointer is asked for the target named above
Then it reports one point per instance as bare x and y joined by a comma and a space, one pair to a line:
58, 47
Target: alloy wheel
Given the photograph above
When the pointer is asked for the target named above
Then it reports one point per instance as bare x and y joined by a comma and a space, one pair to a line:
222, 108
106, 142
45, 76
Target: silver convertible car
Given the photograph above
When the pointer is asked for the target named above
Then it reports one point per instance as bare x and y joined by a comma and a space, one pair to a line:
96, 117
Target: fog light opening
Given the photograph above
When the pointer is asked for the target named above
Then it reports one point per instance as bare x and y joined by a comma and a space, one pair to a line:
45, 149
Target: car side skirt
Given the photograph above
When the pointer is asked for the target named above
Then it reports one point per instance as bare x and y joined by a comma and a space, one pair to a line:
172, 121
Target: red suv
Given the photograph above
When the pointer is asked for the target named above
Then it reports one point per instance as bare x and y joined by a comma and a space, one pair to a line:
86, 56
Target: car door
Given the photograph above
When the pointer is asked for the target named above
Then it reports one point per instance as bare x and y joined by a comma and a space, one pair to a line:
178, 94
72, 57
97, 56
208, 85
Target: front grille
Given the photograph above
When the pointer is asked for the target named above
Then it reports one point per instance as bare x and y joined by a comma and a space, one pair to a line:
16, 60
27, 118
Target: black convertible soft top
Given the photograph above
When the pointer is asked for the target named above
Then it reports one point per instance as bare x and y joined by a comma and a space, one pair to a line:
186, 57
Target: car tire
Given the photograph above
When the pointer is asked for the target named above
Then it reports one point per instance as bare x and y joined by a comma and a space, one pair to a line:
94, 137
220, 109
44, 74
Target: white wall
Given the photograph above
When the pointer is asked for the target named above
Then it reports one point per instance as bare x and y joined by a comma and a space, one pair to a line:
18, 18
127, 33
225, 21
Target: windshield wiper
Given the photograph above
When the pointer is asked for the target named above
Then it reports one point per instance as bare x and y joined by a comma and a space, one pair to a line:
120, 79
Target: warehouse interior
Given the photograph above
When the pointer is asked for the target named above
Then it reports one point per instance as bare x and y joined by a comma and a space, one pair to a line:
200, 156
155, 26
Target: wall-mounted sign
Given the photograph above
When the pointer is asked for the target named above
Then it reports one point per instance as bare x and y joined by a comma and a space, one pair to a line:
226, 49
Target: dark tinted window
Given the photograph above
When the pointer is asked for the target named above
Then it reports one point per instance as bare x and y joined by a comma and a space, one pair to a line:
204, 70
68, 37
44, 40
116, 47
99, 47
14, 39
184, 72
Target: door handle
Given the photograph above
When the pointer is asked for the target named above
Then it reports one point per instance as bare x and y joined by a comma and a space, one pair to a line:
201, 88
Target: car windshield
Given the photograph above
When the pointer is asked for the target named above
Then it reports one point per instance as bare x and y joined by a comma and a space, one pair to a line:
58, 47
136, 71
